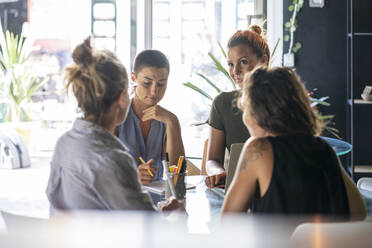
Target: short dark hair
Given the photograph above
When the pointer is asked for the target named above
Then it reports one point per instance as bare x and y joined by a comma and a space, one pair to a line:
279, 102
150, 58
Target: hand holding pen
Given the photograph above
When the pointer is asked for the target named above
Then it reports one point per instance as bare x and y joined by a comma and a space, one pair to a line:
146, 171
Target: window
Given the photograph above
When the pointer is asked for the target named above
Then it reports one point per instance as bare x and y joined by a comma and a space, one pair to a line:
186, 30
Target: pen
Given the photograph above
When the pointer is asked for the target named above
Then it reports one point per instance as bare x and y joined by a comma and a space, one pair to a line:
178, 171
143, 162
179, 164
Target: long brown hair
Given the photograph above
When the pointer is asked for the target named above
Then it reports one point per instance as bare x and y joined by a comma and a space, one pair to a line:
279, 102
252, 38
97, 79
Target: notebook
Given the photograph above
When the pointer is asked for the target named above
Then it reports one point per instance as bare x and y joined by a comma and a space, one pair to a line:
235, 151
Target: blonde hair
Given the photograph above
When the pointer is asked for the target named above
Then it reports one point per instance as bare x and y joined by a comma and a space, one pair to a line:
97, 79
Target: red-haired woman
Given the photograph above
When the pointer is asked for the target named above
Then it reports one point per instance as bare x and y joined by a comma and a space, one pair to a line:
246, 50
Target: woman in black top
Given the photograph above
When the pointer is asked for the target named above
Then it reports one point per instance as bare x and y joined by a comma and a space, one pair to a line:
284, 167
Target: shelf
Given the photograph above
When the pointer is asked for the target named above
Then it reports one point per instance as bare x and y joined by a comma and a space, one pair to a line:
363, 168
104, 19
361, 101
104, 36
359, 34
363, 34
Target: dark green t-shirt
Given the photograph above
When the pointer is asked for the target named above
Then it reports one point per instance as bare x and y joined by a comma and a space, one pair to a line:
227, 117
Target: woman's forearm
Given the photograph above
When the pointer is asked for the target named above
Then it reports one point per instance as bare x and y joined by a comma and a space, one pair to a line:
174, 144
214, 167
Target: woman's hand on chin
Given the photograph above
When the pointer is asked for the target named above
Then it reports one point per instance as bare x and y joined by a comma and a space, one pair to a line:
158, 113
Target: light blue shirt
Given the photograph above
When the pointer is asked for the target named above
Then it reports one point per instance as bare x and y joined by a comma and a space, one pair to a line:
130, 134
91, 169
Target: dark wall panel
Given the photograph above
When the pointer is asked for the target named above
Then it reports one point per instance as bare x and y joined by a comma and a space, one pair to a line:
321, 62
13, 14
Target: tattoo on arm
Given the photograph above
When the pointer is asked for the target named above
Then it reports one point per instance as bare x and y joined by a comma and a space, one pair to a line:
254, 153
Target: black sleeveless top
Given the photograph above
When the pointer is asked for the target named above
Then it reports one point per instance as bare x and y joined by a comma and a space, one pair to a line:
306, 179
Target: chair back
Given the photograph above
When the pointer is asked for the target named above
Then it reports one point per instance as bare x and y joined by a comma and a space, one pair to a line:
235, 151
357, 207
204, 161
336, 234
192, 170
365, 187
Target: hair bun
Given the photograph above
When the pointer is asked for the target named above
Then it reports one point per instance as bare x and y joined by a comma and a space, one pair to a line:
255, 28
83, 53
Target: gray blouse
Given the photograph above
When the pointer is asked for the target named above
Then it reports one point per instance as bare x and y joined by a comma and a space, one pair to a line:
92, 169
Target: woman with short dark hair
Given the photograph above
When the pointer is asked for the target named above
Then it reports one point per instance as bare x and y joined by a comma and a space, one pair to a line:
150, 130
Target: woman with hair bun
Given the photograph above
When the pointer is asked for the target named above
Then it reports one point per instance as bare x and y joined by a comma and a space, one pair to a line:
246, 50
284, 168
91, 168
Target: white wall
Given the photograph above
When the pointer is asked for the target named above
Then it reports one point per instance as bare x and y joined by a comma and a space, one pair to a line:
275, 28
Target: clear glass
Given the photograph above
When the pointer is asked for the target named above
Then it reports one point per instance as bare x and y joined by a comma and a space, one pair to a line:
178, 181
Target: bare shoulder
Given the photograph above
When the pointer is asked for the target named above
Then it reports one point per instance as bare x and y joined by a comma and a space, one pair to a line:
256, 151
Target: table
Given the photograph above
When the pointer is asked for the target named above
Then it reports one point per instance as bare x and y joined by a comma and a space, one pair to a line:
203, 205
341, 147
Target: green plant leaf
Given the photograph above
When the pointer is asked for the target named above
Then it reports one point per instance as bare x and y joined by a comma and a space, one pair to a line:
209, 82
321, 101
34, 86
327, 117
286, 38
16, 83
290, 8
287, 24
197, 89
333, 131
275, 47
9, 116
24, 115
272, 56
220, 68
222, 50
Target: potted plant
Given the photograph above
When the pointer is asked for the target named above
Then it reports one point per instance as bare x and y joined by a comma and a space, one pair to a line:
17, 82
291, 27
328, 119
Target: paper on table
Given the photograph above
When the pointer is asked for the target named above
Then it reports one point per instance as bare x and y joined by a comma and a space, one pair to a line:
158, 187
